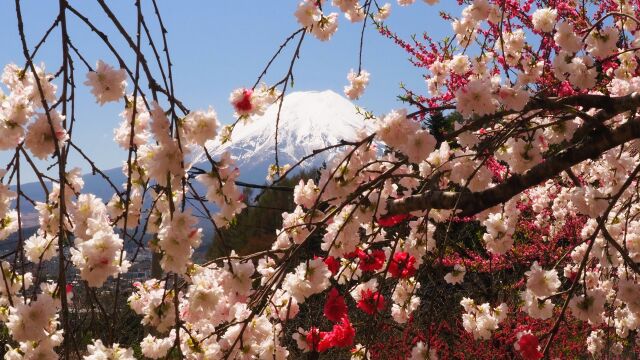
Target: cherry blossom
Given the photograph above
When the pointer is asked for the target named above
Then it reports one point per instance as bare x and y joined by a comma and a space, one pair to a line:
107, 84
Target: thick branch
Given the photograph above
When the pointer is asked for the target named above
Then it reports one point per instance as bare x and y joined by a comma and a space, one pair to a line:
470, 203
608, 106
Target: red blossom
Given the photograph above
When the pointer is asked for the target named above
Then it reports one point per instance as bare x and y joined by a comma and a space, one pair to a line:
565, 89
245, 103
334, 307
371, 302
342, 334
371, 261
403, 265
333, 264
318, 340
528, 347
392, 220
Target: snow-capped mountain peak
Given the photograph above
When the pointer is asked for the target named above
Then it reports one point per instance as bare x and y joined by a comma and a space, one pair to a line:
309, 120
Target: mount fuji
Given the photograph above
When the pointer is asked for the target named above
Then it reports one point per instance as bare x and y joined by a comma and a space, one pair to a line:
309, 120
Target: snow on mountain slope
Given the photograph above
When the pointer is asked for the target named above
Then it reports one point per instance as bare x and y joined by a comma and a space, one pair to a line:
309, 120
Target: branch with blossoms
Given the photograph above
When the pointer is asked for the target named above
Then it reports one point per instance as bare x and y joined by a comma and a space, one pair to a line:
535, 171
470, 203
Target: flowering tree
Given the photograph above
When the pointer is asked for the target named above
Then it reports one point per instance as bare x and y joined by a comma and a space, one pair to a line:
537, 156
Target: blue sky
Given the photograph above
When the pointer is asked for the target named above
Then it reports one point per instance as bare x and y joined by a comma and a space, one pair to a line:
217, 46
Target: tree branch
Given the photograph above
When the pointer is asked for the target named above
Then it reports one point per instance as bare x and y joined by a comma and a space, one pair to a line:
470, 203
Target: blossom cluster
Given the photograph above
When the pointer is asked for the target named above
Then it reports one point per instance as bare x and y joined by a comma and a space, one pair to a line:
482, 320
